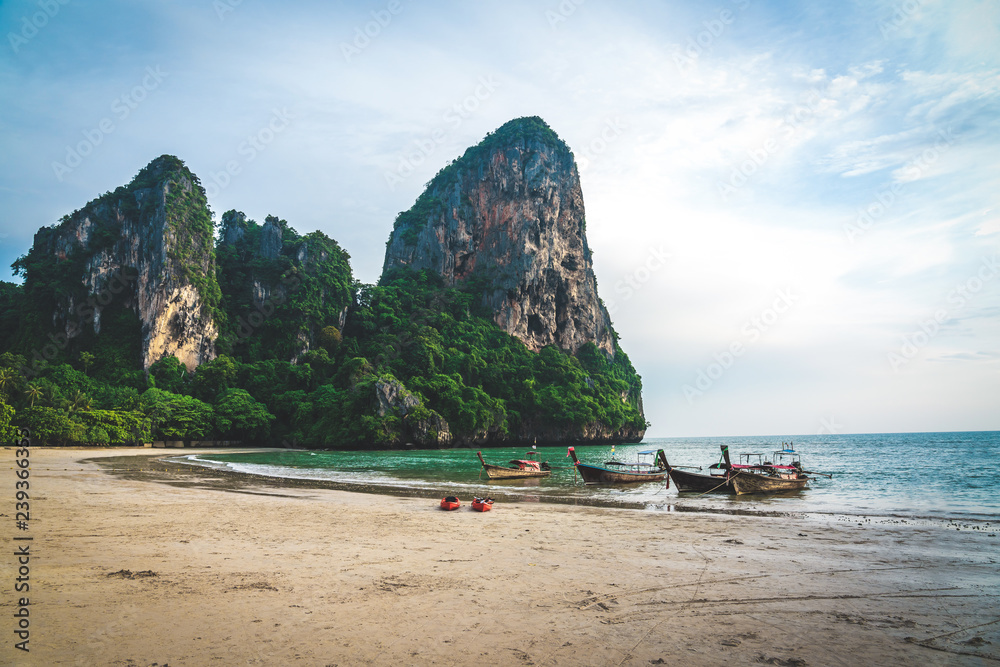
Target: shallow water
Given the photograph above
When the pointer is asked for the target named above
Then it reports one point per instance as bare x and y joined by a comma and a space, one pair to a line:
951, 476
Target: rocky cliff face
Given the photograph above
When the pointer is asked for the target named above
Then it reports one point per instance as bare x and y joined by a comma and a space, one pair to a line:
280, 290
134, 276
148, 247
510, 213
421, 426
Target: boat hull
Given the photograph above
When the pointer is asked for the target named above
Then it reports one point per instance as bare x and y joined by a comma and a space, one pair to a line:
689, 481
482, 505
745, 483
499, 472
450, 503
598, 475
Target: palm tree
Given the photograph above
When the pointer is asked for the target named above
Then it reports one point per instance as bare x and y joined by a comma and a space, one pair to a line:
84, 402
33, 392
79, 402
8, 378
48, 397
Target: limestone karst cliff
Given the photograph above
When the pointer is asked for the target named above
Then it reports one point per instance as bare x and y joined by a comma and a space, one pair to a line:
147, 247
280, 290
506, 222
510, 214
484, 329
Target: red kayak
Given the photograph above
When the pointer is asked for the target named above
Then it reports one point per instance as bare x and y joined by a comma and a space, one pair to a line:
482, 504
450, 503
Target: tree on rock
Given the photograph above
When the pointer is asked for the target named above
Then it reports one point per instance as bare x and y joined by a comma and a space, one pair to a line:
329, 339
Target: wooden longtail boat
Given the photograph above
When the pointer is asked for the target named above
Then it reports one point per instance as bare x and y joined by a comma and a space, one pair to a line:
518, 468
711, 483
786, 468
621, 472
784, 474
751, 482
482, 504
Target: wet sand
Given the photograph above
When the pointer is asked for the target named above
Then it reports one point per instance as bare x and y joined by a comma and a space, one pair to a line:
154, 564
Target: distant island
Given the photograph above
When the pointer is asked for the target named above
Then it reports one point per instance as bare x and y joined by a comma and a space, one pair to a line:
139, 319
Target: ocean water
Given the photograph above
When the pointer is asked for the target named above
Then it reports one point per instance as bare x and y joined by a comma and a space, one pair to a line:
906, 476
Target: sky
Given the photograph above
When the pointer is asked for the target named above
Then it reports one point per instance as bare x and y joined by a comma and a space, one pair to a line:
793, 206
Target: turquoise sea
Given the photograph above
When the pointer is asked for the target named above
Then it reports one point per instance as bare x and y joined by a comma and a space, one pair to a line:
907, 476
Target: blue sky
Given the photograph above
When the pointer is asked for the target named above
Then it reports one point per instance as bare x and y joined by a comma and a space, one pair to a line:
793, 205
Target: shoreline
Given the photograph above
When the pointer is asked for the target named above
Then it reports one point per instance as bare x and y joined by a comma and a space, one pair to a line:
981, 523
149, 565
159, 465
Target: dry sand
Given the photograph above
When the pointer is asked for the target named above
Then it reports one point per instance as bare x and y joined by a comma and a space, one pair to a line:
182, 569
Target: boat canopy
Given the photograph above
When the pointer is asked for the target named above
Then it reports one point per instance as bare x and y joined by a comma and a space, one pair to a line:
627, 463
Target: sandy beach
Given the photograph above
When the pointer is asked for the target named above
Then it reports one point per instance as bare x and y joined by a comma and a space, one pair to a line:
187, 567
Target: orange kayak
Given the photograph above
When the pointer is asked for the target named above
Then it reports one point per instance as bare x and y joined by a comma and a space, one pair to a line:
482, 504
450, 503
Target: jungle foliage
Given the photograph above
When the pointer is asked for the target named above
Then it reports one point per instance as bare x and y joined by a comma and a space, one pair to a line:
303, 350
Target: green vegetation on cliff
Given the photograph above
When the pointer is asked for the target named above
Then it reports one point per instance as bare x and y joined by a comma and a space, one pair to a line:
479, 378
276, 307
486, 385
306, 355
